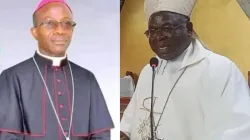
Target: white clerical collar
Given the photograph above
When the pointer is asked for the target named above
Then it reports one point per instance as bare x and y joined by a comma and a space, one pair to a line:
56, 60
175, 64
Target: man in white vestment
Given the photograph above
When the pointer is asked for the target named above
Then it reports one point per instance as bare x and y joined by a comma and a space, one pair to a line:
198, 94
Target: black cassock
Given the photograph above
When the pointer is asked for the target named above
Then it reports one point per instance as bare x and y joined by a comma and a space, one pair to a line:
26, 112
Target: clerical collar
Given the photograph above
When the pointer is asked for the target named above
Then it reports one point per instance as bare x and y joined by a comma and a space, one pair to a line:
174, 64
48, 60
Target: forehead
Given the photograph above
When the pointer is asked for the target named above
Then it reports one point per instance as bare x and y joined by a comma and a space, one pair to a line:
164, 17
54, 10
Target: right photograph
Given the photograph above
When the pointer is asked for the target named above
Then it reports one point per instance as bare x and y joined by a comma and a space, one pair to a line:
184, 70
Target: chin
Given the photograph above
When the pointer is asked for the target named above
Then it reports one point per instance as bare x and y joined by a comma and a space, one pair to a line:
59, 52
167, 57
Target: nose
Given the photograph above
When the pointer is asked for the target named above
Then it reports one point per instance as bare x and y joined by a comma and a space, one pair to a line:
59, 29
161, 36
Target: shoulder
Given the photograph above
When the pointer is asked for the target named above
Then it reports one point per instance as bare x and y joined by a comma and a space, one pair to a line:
144, 75
220, 69
217, 64
22, 67
220, 64
146, 70
218, 59
79, 70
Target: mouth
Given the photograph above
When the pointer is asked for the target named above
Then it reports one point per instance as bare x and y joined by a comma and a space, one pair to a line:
163, 49
59, 42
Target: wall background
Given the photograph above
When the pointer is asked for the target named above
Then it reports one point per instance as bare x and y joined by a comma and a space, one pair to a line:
95, 44
221, 24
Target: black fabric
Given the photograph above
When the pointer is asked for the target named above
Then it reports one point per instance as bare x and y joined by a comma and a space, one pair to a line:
25, 108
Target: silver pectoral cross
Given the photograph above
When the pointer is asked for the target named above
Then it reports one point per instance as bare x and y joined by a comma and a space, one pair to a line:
67, 138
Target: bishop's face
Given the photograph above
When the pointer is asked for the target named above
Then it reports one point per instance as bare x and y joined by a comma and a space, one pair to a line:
54, 29
169, 34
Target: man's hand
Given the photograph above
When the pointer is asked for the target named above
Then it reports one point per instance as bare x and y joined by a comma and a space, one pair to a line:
123, 136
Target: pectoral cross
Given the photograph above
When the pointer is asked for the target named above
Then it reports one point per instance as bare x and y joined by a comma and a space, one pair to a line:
67, 138
156, 136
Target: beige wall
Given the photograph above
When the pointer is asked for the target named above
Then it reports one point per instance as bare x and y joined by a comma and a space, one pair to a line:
221, 24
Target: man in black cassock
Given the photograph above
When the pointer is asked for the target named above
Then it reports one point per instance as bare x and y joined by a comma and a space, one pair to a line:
47, 97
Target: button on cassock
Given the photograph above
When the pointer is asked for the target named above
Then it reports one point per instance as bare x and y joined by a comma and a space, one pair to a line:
61, 106
59, 93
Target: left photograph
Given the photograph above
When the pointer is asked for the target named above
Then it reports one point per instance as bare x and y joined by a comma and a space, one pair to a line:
60, 70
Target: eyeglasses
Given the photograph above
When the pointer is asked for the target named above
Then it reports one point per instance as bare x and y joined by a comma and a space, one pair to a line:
165, 31
53, 24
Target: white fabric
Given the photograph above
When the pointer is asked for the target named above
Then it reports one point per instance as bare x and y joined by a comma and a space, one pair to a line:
210, 102
184, 7
127, 86
56, 60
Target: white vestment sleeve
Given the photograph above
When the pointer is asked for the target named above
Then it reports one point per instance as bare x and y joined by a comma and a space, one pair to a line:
128, 115
127, 120
228, 117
